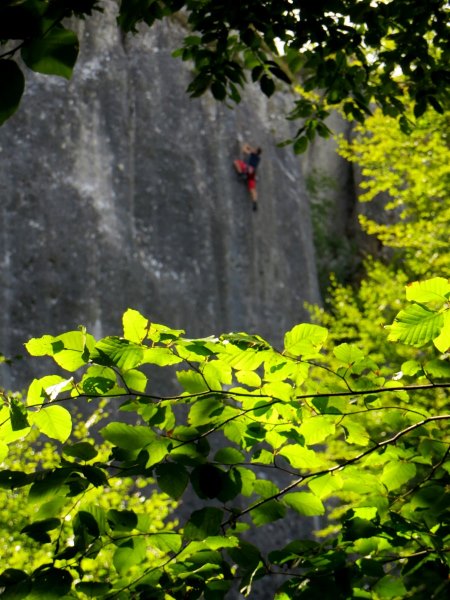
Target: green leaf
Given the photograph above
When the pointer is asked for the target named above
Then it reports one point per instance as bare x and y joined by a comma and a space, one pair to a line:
18, 415
10, 480
40, 346
249, 378
208, 480
192, 382
93, 589
172, 478
411, 368
69, 350
135, 326
324, 485
431, 290
53, 421
267, 85
40, 389
37, 531
229, 456
390, 587
206, 411
119, 352
355, 433
53, 54
437, 368
129, 554
81, 450
416, 326
129, 437
94, 475
12, 84
300, 145
122, 520
16, 584
3, 451
158, 450
203, 523
51, 583
304, 503
304, 339
302, 458
48, 485
348, 353
270, 511
166, 541
7, 434
135, 380
163, 357
317, 429
397, 473
442, 342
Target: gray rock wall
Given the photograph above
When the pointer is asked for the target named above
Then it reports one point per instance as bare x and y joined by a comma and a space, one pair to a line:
118, 191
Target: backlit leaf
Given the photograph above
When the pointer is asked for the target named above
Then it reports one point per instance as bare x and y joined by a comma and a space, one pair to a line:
430, 290
397, 473
317, 429
348, 353
416, 326
304, 339
135, 326
54, 421
304, 503
117, 351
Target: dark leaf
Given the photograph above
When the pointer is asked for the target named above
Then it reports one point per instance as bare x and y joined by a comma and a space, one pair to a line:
203, 523
12, 84
53, 54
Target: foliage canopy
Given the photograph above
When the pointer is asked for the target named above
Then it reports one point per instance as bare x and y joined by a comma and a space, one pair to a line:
352, 53
329, 423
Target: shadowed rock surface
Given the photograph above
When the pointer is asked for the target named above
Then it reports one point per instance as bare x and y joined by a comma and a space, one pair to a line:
118, 190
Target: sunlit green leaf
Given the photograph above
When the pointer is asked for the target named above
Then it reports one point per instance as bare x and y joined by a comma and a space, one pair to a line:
430, 290
416, 325
348, 353
135, 326
304, 503
304, 339
119, 352
55, 421
317, 429
397, 473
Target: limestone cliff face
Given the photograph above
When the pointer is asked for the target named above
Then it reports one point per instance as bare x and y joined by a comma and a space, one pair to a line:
118, 191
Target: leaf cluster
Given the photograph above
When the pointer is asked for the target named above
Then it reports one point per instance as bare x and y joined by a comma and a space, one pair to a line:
335, 52
245, 412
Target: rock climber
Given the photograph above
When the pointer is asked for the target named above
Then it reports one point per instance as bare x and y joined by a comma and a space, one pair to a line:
247, 168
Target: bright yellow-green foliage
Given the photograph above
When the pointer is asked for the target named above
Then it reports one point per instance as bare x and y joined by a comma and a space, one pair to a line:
257, 434
125, 493
414, 172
